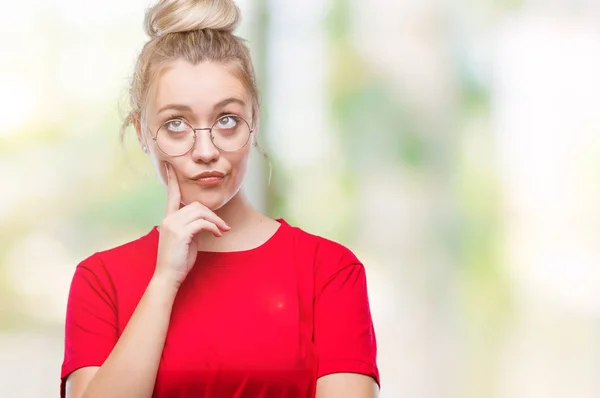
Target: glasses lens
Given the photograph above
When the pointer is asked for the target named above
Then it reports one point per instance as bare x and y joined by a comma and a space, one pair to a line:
230, 133
175, 137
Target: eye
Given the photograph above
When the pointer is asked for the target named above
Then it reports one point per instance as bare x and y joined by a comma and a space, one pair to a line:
176, 125
227, 122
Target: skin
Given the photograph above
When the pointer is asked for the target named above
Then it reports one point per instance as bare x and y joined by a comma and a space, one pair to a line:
217, 218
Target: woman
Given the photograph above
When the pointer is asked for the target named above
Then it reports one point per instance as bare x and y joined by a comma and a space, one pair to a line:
219, 300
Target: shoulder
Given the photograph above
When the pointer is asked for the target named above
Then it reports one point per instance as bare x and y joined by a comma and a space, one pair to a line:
328, 256
126, 256
134, 250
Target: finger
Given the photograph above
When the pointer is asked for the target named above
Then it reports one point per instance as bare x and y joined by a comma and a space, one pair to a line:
173, 192
197, 226
197, 210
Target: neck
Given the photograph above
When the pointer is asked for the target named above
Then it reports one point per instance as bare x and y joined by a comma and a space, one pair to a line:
238, 213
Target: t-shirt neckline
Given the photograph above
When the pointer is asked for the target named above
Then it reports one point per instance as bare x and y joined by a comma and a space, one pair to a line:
235, 257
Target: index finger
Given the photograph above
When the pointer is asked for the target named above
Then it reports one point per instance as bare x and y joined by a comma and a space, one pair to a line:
173, 192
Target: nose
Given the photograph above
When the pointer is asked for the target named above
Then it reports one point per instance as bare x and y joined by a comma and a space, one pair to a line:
204, 150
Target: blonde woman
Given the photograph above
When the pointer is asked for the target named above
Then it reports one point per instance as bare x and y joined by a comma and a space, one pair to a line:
219, 301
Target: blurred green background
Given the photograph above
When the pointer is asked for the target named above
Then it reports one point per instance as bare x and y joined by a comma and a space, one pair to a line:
453, 146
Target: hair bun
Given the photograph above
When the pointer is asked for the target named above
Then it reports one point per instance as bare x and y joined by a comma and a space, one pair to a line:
171, 16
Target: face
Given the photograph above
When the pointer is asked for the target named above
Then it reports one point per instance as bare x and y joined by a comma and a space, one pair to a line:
199, 95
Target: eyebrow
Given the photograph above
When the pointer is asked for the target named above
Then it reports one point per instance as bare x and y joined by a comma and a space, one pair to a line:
218, 105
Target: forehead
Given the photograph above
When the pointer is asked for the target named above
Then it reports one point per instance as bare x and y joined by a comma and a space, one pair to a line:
199, 86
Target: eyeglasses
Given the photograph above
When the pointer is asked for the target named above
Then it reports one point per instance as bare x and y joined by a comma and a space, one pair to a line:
228, 133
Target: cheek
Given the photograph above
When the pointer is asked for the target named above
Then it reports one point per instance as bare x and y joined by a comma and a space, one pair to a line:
158, 162
239, 166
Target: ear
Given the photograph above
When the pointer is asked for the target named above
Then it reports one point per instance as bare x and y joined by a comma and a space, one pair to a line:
135, 120
255, 130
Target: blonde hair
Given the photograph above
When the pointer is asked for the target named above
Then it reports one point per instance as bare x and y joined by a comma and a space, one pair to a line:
195, 31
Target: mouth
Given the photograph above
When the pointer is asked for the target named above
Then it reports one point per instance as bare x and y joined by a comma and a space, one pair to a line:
209, 178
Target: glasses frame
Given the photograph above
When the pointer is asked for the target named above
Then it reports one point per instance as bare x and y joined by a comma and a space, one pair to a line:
209, 129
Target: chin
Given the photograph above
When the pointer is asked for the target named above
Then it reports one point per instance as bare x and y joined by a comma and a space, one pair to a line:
213, 199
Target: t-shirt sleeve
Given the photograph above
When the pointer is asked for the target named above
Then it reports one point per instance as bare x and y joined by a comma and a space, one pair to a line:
343, 327
91, 319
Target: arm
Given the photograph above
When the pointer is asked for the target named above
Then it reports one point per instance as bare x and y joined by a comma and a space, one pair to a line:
347, 385
130, 369
129, 363
344, 332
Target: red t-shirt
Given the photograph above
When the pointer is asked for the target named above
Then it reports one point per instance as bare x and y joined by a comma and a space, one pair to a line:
260, 323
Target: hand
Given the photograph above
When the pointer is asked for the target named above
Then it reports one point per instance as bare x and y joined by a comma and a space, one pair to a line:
177, 249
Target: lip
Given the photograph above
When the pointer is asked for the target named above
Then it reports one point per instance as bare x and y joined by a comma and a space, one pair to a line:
209, 174
209, 178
